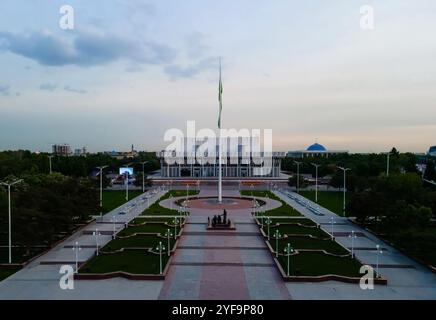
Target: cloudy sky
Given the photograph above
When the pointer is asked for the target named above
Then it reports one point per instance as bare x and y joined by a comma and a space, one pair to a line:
130, 70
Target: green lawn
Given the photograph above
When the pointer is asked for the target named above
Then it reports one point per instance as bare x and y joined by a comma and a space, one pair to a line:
331, 200
114, 198
284, 210
289, 220
131, 261
19, 255
296, 229
146, 228
318, 264
138, 241
302, 242
157, 209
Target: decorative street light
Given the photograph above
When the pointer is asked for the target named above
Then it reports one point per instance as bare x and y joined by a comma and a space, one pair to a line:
114, 220
298, 163
77, 248
96, 234
175, 222
352, 236
316, 180
127, 180
143, 175
345, 171
268, 223
379, 252
288, 251
332, 221
160, 248
387, 163
9, 185
49, 163
101, 188
168, 234
277, 236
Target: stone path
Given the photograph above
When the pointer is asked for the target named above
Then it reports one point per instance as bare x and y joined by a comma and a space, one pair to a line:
223, 264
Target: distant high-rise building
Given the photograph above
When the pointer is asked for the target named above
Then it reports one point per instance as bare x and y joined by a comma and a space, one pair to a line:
432, 151
61, 149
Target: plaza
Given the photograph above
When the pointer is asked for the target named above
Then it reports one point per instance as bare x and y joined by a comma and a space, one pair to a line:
230, 264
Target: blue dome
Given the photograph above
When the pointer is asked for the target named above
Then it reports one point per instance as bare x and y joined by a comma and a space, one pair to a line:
316, 147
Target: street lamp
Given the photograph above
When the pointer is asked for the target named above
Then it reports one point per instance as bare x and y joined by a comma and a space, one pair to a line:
160, 248
352, 236
9, 185
96, 234
288, 251
387, 163
101, 188
268, 223
114, 220
332, 221
143, 175
298, 163
127, 180
277, 236
316, 180
345, 171
175, 222
168, 234
77, 248
379, 252
49, 163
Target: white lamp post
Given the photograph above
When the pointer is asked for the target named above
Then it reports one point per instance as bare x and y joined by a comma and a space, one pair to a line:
288, 251
352, 236
277, 236
77, 248
114, 220
379, 252
101, 188
160, 248
9, 185
49, 163
345, 171
332, 221
96, 234
268, 223
387, 163
298, 163
127, 180
175, 222
168, 234
316, 180
143, 175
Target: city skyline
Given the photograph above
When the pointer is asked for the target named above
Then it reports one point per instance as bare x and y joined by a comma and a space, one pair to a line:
132, 70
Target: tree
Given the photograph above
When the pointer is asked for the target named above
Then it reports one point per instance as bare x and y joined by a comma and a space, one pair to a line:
430, 173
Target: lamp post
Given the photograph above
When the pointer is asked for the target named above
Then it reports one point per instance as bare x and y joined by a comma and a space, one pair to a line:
9, 185
114, 220
96, 234
49, 163
101, 188
143, 175
77, 248
277, 236
175, 222
288, 251
379, 252
268, 223
332, 221
387, 163
168, 234
127, 180
316, 180
352, 236
345, 171
160, 248
298, 163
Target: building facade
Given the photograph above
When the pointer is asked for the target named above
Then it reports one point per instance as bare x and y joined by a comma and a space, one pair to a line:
315, 150
61, 149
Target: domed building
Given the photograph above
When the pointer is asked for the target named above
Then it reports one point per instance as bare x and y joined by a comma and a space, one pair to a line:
315, 150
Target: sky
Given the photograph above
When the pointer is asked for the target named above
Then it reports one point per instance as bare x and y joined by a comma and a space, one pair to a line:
130, 70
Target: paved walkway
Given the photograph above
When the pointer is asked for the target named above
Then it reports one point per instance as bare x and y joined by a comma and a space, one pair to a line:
223, 264
407, 279
40, 279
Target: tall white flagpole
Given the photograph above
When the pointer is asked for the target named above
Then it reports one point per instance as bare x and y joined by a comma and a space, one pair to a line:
220, 178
